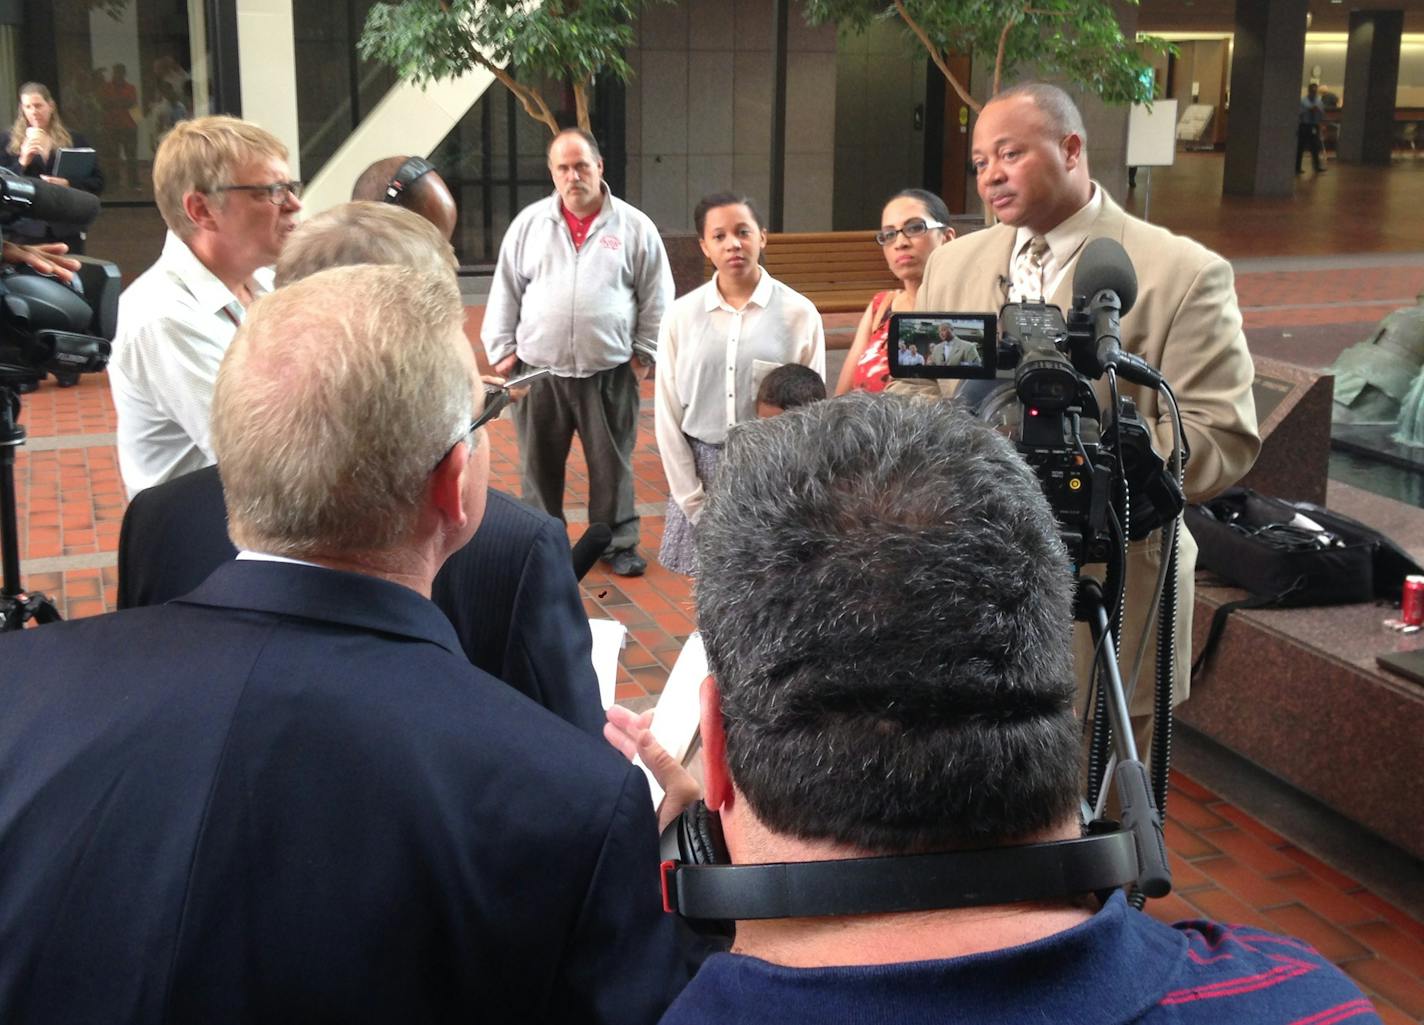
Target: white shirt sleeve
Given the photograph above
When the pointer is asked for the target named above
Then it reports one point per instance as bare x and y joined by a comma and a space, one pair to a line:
668, 409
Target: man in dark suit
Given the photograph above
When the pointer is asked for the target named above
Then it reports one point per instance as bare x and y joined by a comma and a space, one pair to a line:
510, 593
287, 796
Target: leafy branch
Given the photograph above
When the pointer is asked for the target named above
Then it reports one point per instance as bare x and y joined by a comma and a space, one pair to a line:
568, 41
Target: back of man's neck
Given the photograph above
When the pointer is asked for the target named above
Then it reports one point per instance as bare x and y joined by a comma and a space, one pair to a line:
907, 936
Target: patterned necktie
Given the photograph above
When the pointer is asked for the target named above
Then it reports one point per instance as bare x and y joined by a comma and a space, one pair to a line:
1027, 283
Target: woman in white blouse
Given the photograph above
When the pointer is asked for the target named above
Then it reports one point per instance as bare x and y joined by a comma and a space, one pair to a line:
716, 344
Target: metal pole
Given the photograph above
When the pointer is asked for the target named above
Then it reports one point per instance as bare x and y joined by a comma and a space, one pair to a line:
776, 201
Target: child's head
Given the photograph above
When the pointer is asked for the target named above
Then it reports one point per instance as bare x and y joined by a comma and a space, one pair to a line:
787, 387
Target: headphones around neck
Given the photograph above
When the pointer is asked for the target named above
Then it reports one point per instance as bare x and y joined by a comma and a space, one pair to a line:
406, 175
700, 884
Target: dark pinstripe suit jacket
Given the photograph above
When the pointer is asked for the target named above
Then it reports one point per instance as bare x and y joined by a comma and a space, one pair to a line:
510, 592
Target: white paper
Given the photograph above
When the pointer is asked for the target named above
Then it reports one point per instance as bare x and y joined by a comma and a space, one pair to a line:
676, 714
609, 636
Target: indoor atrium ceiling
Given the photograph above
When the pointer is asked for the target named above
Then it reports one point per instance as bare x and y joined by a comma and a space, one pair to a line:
1219, 16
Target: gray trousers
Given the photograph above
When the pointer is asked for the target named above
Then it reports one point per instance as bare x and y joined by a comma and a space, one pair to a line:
603, 410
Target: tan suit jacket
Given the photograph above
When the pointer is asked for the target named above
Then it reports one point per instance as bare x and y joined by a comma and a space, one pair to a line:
1187, 324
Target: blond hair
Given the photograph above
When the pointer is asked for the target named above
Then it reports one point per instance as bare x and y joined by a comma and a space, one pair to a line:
202, 155
56, 130
361, 232
339, 395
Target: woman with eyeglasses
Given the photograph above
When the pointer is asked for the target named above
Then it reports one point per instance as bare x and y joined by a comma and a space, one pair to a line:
914, 224
36, 139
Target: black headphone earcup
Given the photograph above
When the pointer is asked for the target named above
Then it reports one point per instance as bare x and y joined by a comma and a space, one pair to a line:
702, 840
695, 838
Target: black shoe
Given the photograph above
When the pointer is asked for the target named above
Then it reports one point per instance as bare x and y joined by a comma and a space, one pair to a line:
626, 562
1320, 170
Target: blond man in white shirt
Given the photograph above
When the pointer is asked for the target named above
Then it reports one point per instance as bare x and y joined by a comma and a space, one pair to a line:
225, 192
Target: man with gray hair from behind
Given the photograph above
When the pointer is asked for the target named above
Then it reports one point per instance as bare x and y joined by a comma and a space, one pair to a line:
887, 612
510, 592
287, 796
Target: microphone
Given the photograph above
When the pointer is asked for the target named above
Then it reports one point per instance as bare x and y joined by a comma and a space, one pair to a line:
589, 547
30, 197
1105, 281
1104, 266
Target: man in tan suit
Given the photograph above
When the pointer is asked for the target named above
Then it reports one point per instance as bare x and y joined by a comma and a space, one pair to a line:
1030, 159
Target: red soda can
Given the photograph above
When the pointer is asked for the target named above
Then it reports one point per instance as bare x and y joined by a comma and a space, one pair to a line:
1411, 606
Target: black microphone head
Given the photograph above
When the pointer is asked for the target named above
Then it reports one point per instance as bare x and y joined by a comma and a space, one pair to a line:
588, 548
1103, 265
29, 197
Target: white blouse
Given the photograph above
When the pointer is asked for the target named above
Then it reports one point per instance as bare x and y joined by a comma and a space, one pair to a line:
711, 361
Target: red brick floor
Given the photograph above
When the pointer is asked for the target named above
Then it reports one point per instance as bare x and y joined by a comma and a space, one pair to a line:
1226, 864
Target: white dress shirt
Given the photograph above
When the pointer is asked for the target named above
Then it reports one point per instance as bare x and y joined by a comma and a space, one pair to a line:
711, 360
175, 324
1064, 242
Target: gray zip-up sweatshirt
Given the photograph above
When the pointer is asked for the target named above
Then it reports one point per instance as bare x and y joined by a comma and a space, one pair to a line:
577, 311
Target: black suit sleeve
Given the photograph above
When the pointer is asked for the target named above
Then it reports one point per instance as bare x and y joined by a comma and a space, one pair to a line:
627, 958
549, 654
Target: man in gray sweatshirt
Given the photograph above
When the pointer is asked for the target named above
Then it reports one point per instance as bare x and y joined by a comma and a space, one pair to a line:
580, 287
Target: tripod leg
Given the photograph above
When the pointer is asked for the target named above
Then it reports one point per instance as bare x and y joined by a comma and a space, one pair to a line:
1139, 813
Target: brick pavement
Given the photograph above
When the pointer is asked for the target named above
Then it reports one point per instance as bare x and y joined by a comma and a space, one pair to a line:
1226, 864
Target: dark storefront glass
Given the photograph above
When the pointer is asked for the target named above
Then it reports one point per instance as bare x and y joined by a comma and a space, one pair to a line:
335, 88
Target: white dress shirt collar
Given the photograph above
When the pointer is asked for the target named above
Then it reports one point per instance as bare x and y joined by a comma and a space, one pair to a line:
1064, 240
761, 295
210, 294
249, 556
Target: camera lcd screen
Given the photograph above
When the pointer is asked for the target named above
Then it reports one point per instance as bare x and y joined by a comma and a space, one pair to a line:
960, 346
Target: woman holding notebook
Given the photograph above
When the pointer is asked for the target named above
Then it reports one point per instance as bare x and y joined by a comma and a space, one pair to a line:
42, 147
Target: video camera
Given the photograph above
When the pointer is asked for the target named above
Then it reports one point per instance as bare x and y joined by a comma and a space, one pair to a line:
1029, 371
47, 326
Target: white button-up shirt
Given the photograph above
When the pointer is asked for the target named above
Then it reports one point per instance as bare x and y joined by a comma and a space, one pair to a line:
711, 360
175, 324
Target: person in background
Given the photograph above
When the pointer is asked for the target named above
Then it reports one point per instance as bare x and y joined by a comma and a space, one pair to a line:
789, 386
36, 138
914, 224
420, 191
580, 287
227, 196
119, 97
716, 344
1308, 128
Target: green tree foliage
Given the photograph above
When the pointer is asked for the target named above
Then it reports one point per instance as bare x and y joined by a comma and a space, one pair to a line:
569, 41
1077, 39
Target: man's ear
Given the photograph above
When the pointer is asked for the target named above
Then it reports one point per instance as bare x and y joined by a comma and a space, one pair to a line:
447, 485
200, 208
716, 779
1072, 150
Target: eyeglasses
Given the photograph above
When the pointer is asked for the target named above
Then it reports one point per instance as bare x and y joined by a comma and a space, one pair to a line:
913, 228
277, 192
496, 398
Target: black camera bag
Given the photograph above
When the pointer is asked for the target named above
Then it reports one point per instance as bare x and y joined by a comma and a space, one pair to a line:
1241, 538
